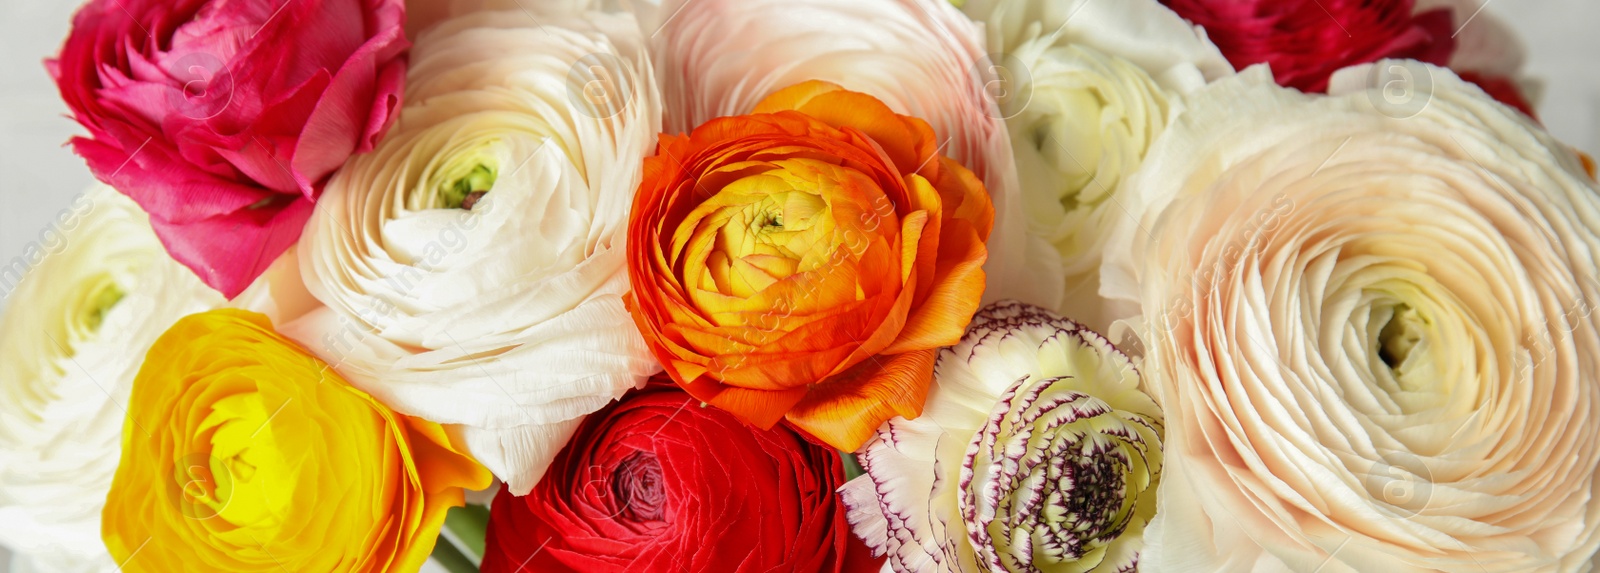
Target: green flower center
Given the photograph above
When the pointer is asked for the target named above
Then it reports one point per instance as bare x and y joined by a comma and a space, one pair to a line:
100, 303
479, 179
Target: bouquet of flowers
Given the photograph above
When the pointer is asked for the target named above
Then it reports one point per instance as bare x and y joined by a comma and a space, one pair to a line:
805, 285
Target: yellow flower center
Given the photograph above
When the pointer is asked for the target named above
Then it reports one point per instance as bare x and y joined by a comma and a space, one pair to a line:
1402, 333
763, 228
242, 474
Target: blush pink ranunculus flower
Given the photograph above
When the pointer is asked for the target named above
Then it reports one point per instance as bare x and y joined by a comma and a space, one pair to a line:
223, 119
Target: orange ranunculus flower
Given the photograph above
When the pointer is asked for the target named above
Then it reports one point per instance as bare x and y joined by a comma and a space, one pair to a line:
242, 452
805, 262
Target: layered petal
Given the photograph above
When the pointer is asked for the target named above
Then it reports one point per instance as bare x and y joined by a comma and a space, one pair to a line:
236, 457
805, 260
223, 120
1367, 321
79, 322
1085, 88
1037, 452
657, 483
473, 263
921, 58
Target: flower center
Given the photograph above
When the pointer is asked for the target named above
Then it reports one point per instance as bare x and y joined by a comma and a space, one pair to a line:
99, 296
465, 191
236, 473
761, 229
1088, 492
636, 485
460, 177
100, 304
1400, 335
1055, 476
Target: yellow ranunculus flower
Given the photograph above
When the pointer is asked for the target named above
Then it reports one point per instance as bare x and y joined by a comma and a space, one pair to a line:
242, 452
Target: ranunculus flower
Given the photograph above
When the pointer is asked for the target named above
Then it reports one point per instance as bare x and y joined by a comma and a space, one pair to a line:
921, 58
807, 261
1371, 329
473, 263
1305, 41
242, 452
1088, 86
224, 119
1037, 452
74, 334
659, 483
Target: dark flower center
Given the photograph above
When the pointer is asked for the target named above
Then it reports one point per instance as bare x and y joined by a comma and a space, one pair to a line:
1091, 491
636, 485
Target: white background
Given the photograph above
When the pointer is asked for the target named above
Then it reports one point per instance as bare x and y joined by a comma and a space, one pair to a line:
39, 176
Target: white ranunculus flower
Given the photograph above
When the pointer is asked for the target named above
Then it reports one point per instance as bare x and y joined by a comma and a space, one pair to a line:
1089, 86
72, 339
473, 263
1369, 321
1037, 451
922, 58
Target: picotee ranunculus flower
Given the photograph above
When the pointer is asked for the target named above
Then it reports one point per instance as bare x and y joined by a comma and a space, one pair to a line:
243, 452
473, 263
73, 336
224, 119
1370, 322
1085, 88
1037, 451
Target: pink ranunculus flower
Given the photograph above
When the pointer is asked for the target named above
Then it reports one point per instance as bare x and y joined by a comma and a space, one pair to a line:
223, 119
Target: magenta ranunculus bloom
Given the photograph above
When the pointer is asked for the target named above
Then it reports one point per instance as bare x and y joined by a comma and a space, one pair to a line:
1305, 41
223, 118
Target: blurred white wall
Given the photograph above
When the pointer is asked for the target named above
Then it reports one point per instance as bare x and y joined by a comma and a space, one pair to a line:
39, 176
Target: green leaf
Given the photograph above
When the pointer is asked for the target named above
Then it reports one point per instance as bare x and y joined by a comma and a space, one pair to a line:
851, 467
469, 525
451, 558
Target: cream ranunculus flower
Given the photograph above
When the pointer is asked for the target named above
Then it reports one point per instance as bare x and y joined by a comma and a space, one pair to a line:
71, 341
1369, 321
922, 58
1087, 86
1037, 451
473, 263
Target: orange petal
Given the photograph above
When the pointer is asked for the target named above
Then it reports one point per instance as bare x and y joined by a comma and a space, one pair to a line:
845, 410
908, 141
964, 197
793, 97
945, 313
759, 408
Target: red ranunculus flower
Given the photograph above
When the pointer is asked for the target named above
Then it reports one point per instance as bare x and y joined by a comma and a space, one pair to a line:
658, 482
1305, 41
223, 119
